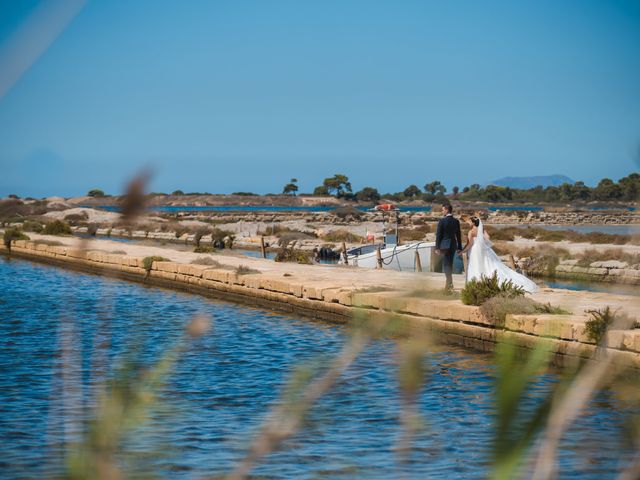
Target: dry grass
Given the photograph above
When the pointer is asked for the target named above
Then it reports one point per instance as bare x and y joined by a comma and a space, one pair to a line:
245, 270
545, 235
337, 236
592, 255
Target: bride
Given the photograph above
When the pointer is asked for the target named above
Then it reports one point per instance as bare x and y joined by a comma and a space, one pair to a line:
483, 261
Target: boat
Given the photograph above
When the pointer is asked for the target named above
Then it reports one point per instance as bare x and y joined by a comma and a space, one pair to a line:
390, 255
394, 257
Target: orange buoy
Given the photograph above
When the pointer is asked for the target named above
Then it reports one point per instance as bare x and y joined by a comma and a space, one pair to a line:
385, 207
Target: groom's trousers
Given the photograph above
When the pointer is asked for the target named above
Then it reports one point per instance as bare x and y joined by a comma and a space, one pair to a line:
447, 266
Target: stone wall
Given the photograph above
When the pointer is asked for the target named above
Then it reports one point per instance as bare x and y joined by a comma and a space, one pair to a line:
606, 271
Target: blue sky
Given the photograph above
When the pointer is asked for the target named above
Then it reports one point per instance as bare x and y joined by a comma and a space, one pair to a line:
223, 96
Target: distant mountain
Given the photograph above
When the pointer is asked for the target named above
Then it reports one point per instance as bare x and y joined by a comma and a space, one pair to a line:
524, 183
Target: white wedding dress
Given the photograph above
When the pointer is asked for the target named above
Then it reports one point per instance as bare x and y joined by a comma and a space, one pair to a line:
483, 261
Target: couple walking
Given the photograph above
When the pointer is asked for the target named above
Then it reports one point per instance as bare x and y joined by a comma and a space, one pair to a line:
483, 261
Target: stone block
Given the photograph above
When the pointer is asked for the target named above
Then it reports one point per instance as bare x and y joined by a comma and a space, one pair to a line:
597, 271
295, 289
184, 269
615, 339
215, 275
250, 281
312, 293
170, 267
616, 264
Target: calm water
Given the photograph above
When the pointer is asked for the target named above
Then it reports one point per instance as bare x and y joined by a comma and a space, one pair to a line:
604, 287
226, 381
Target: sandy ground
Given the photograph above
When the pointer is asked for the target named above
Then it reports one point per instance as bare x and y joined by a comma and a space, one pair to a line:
335, 276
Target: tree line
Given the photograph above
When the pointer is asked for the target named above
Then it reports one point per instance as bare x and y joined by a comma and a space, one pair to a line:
607, 190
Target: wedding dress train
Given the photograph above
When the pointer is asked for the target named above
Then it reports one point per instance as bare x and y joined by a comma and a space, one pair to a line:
483, 261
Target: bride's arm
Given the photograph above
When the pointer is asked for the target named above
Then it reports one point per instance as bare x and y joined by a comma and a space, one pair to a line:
469, 244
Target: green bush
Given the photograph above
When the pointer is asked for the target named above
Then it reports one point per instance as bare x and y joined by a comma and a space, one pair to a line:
32, 226
476, 292
596, 327
11, 234
96, 192
290, 254
147, 262
204, 249
57, 227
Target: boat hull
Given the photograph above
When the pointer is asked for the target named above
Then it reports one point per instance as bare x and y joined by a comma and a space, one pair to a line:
397, 257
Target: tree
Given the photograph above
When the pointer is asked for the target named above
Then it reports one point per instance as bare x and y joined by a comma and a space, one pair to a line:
411, 191
456, 190
291, 187
95, 193
321, 191
178, 192
435, 188
630, 186
608, 190
368, 194
339, 183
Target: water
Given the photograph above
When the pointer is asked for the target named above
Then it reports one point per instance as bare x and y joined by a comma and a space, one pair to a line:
603, 287
227, 380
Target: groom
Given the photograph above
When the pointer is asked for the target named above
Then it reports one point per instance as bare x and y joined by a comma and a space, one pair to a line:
448, 242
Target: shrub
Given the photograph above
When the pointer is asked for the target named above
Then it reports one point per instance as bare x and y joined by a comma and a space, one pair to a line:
218, 235
11, 234
118, 252
57, 227
96, 192
51, 243
147, 262
336, 236
290, 254
201, 232
344, 212
592, 255
552, 309
413, 234
32, 226
244, 270
476, 292
596, 327
180, 231
497, 308
76, 217
204, 249
207, 261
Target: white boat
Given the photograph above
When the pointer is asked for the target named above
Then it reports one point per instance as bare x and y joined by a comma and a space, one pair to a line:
394, 257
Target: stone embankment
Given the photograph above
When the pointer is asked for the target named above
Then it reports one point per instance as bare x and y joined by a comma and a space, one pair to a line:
607, 271
340, 293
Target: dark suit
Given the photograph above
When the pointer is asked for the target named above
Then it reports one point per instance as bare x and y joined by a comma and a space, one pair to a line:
448, 240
